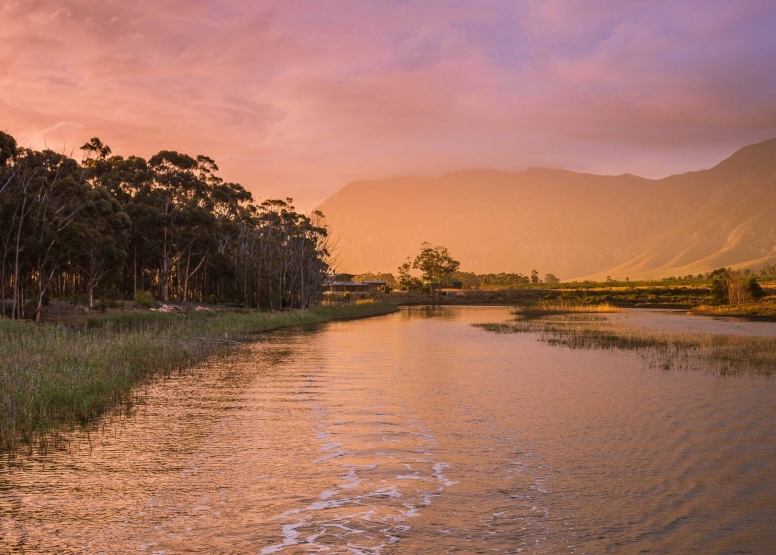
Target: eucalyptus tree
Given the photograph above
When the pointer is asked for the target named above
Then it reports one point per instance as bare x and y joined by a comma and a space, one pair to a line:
102, 233
7, 208
169, 225
7, 153
41, 201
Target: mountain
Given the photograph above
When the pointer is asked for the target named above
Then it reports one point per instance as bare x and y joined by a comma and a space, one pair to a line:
575, 225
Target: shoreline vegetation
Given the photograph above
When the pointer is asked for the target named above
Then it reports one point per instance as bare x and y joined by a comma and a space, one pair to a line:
108, 229
54, 375
661, 297
582, 329
722, 293
535, 311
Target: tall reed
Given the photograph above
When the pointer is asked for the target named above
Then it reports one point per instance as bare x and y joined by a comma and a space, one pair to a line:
562, 306
722, 354
51, 374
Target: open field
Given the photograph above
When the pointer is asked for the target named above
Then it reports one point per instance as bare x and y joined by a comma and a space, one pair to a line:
55, 374
726, 355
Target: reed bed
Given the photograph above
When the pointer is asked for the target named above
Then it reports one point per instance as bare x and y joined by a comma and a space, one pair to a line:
51, 375
722, 354
563, 307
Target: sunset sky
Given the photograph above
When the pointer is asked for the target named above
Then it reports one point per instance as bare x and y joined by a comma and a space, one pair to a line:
296, 98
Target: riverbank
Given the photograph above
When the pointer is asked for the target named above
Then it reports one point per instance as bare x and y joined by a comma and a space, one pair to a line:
763, 311
692, 296
52, 375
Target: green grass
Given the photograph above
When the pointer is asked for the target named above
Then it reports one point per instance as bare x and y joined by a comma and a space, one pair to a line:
725, 355
52, 375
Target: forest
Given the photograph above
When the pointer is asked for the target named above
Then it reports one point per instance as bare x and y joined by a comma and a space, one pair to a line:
168, 227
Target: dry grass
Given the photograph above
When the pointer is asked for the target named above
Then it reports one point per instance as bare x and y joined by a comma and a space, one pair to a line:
50, 375
564, 307
725, 355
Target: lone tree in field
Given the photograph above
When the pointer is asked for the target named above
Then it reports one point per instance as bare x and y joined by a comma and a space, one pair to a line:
436, 266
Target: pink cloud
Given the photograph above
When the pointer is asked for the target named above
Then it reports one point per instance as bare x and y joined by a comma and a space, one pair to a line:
298, 97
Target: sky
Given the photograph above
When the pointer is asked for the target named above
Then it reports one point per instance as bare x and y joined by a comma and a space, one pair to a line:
298, 98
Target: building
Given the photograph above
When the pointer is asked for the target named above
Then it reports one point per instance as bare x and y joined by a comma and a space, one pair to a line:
339, 284
377, 285
453, 283
340, 277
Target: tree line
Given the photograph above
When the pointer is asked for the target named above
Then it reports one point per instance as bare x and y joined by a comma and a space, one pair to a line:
469, 280
110, 225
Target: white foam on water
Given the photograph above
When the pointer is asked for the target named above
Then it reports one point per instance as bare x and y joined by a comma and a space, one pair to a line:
438, 469
390, 491
411, 511
290, 537
352, 480
329, 456
408, 478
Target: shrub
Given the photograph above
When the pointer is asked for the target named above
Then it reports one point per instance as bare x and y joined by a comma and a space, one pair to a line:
144, 299
754, 288
719, 291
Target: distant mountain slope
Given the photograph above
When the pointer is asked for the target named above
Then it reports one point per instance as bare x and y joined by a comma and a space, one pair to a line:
574, 225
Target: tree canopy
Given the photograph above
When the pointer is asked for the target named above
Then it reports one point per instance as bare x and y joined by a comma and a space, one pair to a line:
110, 225
436, 266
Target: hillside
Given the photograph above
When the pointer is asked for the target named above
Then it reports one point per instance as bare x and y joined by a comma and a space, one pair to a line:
574, 225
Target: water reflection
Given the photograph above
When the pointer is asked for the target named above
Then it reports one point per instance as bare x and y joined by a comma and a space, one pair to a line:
413, 433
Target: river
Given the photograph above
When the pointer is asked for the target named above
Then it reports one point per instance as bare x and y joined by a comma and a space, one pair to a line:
413, 433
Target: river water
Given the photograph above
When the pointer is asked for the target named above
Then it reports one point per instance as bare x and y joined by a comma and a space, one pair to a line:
413, 433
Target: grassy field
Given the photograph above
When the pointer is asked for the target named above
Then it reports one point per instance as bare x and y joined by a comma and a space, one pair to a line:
51, 375
726, 355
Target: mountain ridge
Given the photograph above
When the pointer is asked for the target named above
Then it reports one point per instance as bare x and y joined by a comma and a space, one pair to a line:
576, 225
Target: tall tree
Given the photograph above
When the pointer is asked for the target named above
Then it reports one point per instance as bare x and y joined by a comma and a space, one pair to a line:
436, 266
169, 225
